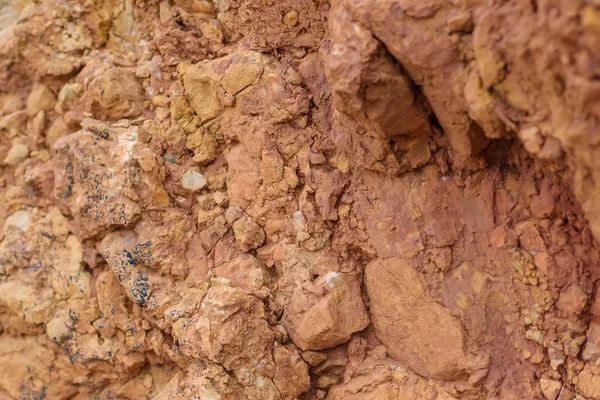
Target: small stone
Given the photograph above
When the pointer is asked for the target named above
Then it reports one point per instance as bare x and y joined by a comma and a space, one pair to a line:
221, 199
20, 220
9, 103
533, 281
233, 213
16, 154
248, 234
565, 394
314, 358
160, 197
550, 388
143, 71
193, 180
165, 10
326, 312
67, 96
240, 75
588, 383
38, 124
557, 357
551, 150
572, 347
291, 376
535, 335
162, 113
290, 177
537, 357
591, 350
161, 101
271, 166
302, 236
532, 140
461, 22
291, 18
40, 98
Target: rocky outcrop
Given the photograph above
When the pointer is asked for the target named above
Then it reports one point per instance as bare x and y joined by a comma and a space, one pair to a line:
368, 199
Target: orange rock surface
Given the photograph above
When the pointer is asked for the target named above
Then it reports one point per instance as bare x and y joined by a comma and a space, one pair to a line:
278, 200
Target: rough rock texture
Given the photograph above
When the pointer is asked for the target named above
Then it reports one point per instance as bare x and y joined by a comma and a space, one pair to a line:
268, 200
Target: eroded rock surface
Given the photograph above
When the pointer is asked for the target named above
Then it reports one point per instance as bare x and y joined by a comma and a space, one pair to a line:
416, 330
364, 200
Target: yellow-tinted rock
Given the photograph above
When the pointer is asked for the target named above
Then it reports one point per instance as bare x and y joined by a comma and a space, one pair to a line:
201, 86
245, 69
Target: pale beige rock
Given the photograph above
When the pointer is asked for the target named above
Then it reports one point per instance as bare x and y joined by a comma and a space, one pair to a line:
314, 358
57, 129
67, 96
20, 220
114, 95
193, 180
291, 18
231, 329
248, 234
10, 103
91, 198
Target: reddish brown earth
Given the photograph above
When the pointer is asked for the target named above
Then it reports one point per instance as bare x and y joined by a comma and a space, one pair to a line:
264, 200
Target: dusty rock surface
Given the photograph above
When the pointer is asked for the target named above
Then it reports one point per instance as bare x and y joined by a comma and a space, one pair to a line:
268, 200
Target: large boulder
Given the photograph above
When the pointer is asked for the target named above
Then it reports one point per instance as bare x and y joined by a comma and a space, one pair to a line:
418, 331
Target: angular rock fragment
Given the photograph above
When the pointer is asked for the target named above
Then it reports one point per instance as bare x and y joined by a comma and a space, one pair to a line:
201, 84
115, 94
193, 181
162, 241
231, 329
248, 234
325, 312
92, 171
291, 375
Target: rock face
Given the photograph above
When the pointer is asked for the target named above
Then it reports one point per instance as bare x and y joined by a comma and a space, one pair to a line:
269, 200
